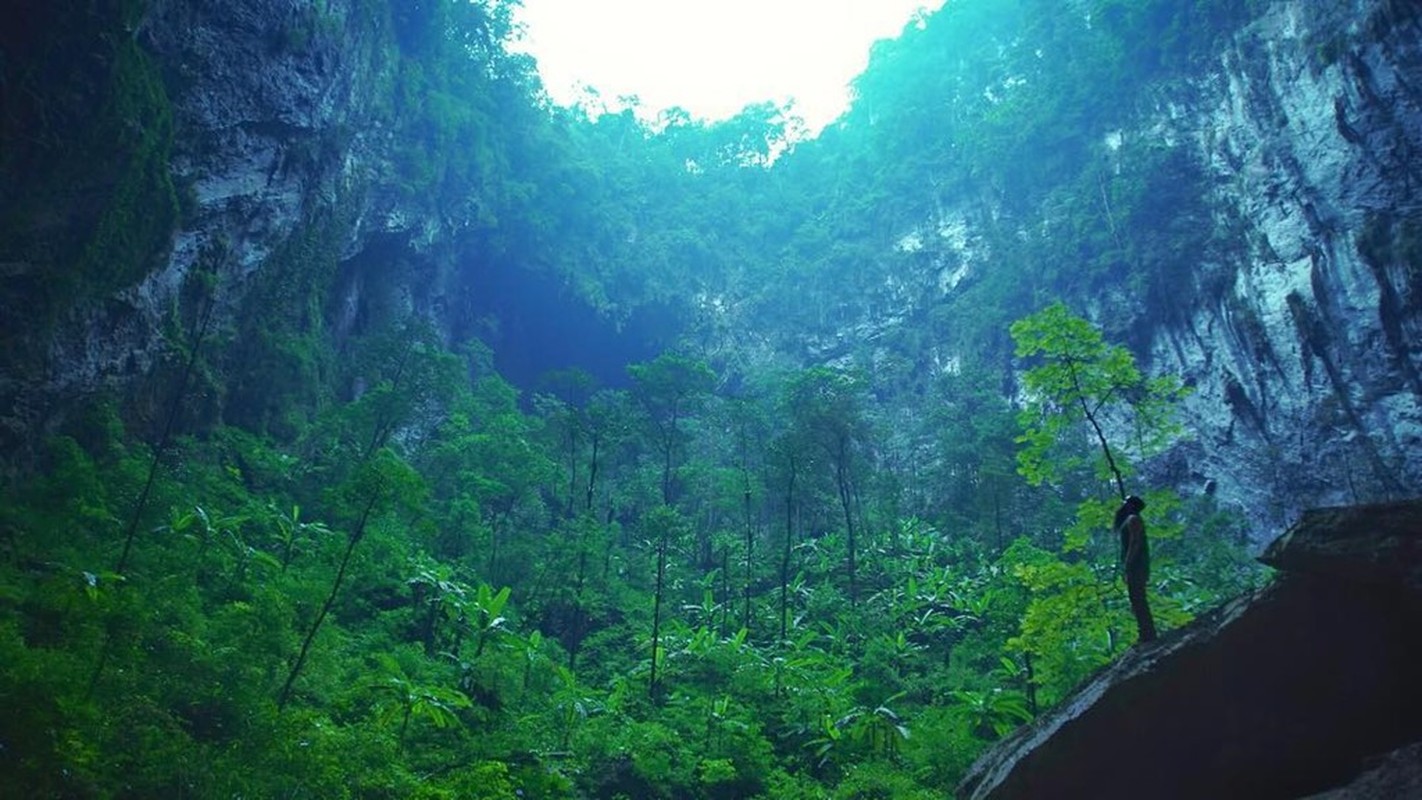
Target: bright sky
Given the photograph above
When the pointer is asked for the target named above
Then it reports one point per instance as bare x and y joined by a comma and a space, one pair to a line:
711, 57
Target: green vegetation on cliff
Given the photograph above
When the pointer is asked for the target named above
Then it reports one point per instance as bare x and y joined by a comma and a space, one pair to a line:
367, 566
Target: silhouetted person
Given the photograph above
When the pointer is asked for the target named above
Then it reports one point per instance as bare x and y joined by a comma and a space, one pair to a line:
1135, 562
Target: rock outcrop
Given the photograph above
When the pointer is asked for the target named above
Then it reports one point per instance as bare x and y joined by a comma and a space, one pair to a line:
1300, 335
1306, 368
1299, 324
1394, 776
284, 121
1308, 685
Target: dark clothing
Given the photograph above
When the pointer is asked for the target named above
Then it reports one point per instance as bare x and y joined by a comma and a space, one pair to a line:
1145, 625
1139, 561
1135, 562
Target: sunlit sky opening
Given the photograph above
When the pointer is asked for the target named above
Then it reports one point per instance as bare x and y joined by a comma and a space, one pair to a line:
710, 57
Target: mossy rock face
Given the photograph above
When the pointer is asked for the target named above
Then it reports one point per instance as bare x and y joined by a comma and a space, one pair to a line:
91, 148
283, 353
1386, 239
1391, 246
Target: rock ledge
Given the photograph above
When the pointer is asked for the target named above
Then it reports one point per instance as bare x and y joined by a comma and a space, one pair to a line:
1302, 687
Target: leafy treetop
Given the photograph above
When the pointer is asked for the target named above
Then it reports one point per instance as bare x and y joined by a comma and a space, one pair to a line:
1080, 378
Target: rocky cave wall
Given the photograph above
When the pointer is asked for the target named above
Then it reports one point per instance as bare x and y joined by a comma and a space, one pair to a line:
283, 124
1305, 368
1301, 337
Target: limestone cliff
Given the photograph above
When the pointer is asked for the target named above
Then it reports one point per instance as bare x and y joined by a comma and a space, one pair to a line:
286, 148
1298, 329
1296, 316
1306, 369
1306, 686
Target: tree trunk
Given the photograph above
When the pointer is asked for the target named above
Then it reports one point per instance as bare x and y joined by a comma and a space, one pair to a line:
657, 613
750, 546
785, 556
846, 503
572, 474
592, 473
300, 662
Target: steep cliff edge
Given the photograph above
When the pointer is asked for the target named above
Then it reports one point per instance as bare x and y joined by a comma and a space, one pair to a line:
1279, 232
1272, 261
1284, 693
1306, 366
1247, 219
306, 206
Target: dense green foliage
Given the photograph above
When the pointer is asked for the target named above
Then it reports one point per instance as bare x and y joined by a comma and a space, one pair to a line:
367, 566
481, 632
486, 631
1082, 379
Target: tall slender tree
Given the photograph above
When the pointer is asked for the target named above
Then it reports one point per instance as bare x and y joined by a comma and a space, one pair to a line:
665, 526
670, 388
1080, 380
826, 407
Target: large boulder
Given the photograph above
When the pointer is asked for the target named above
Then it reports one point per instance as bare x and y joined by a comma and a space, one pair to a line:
1299, 688
1394, 776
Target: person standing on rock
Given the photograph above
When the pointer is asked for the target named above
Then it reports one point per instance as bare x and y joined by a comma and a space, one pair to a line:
1135, 562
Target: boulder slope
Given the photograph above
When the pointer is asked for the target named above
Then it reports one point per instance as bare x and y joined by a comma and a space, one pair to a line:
1305, 686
